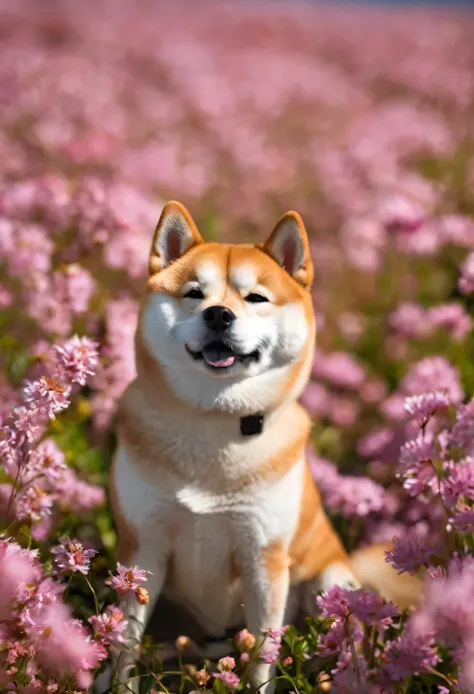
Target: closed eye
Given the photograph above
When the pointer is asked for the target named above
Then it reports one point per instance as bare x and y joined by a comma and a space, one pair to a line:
194, 294
255, 298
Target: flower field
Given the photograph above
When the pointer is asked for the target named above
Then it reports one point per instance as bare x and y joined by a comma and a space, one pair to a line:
360, 118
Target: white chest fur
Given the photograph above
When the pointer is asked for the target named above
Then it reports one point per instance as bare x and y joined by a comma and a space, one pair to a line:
199, 530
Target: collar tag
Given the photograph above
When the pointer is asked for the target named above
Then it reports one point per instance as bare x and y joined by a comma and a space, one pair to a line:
251, 425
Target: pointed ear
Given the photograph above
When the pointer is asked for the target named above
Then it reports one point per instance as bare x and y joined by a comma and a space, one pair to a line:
289, 246
175, 234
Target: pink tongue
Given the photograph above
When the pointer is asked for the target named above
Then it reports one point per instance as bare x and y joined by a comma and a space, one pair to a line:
227, 361
218, 355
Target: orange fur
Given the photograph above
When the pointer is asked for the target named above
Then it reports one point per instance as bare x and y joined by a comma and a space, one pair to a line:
373, 571
315, 543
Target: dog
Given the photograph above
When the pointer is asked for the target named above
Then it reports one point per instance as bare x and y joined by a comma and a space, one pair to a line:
209, 487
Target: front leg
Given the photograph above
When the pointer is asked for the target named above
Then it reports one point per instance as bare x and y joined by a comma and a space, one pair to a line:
265, 580
151, 558
137, 615
144, 541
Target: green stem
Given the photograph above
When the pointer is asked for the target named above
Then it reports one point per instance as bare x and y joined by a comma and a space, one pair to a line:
374, 646
67, 588
285, 677
180, 663
96, 603
353, 651
12, 495
434, 672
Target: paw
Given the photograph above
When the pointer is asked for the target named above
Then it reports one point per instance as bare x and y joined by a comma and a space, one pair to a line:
262, 678
123, 679
267, 688
338, 574
103, 681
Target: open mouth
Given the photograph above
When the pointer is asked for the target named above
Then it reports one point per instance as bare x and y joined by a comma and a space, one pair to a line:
218, 355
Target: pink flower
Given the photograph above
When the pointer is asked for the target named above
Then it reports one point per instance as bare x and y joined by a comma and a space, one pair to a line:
78, 358
65, 646
340, 368
393, 407
373, 390
76, 495
110, 625
433, 374
417, 452
334, 641
462, 433
417, 459
47, 394
28, 422
446, 611
373, 443
459, 483
271, 648
33, 250
230, 679
351, 326
6, 297
33, 503
400, 214
410, 320
346, 494
345, 679
315, 399
463, 521
436, 572
366, 606
451, 317
409, 655
45, 593
363, 240
245, 639
370, 608
466, 281
77, 286
324, 472
6, 491
17, 567
45, 306
423, 407
335, 603
226, 663
355, 496
48, 460
270, 652
70, 555
127, 579
409, 554
343, 411
276, 633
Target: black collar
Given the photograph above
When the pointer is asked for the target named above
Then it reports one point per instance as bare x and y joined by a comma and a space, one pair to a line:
251, 425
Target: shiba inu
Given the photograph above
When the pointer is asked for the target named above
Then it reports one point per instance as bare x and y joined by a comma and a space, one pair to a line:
210, 488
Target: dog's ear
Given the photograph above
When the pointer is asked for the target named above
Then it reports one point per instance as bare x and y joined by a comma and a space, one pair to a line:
175, 234
289, 246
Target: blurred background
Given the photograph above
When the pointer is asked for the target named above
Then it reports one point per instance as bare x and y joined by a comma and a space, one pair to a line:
360, 116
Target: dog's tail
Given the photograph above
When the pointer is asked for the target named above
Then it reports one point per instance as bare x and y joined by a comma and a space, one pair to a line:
373, 571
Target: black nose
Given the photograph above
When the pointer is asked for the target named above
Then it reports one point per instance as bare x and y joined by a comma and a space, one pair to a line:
218, 317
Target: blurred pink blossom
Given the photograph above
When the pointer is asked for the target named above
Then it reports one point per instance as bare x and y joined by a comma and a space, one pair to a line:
433, 374
466, 280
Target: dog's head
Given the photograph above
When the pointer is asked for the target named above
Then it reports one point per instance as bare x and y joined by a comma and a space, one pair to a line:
231, 326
